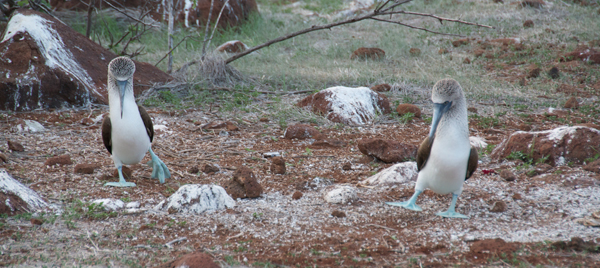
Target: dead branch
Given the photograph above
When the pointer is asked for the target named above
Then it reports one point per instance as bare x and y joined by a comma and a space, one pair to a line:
216, 24
129, 16
212, 2
170, 51
380, 10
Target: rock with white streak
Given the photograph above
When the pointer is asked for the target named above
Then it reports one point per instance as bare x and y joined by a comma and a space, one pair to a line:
197, 199
556, 146
46, 64
340, 194
110, 204
17, 198
397, 174
353, 106
29, 126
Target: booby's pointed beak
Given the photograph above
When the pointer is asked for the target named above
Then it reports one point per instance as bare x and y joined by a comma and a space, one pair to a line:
439, 109
122, 86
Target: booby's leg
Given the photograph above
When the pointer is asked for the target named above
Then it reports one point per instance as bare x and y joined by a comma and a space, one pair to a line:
122, 182
159, 169
451, 213
410, 204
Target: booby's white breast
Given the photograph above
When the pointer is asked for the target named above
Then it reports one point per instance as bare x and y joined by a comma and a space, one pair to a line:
130, 141
446, 167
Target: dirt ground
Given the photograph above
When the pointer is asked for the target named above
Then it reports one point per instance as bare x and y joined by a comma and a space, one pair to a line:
277, 230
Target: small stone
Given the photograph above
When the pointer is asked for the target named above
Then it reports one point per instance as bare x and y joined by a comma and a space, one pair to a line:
243, 180
35, 221
523, 82
528, 24
210, 169
499, 206
507, 175
405, 108
534, 72
517, 196
341, 194
278, 165
110, 204
443, 51
347, 166
85, 168
231, 126
554, 72
478, 52
467, 61
194, 170
15, 146
302, 131
126, 173
472, 110
3, 158
197, 199
542, 168
297, 195
572, 103
460, 42
263, 119
58, 160
365, 53
339, 214
381, 88
87, 121
415, 51
192, 260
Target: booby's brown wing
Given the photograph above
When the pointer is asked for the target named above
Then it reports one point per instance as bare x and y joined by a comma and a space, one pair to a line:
472, 164
147, 122
423, 153
106, 130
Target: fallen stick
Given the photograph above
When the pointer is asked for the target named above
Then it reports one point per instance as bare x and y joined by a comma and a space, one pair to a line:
175, 241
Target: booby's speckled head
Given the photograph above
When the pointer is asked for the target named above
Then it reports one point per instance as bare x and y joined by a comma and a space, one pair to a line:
445, 95
446, 90
120, 77
121, 68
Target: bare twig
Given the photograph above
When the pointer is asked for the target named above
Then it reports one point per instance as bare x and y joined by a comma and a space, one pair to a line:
212, 2
175, 241
381, 226
216, 24
437, 17
387, 8
88, 31
415, 27
129, 16
170, 51
170, 37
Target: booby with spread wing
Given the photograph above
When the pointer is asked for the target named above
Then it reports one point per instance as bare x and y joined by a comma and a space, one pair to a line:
445, 158
128, 132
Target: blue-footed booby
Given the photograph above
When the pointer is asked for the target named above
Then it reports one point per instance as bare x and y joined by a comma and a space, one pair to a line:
445, 158
128, 132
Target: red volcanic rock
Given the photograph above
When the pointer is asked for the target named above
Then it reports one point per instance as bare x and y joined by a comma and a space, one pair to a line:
234, 13
234, 46
85, 168
243, 184
39, 68
368, 53
192, 260
210, 169
561, 145
230, 126
572, 103
404, 108
387, 151
494, 246
381, 87
528, 24
15, 146
297, 195
302, 131
354, 106
583, 53
58, 160
460, 42
278, 165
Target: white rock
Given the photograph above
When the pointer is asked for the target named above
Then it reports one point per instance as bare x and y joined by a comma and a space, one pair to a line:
8, 185
356, 106
110, 204
197, 198
29, 126
341, 194
396, 174
134, 204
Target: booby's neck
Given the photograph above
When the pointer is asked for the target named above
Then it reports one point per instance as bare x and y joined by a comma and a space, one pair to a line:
455, 120
129, 105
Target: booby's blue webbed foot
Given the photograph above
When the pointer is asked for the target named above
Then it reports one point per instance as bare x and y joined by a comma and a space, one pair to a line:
451, 213
122, 182
159, 169
410, 204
